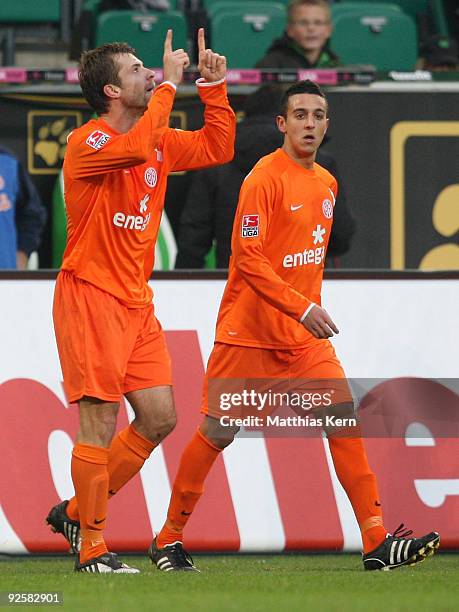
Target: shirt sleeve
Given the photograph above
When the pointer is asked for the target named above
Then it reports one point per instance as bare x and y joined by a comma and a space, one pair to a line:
211, 145
92, 153
256, 200
30, 214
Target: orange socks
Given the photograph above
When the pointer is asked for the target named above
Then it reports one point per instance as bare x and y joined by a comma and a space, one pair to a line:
90, 479
359, 482
127, 454
99, 472
197, 459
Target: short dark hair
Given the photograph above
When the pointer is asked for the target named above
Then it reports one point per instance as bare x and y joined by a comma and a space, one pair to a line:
97, 68
302, 87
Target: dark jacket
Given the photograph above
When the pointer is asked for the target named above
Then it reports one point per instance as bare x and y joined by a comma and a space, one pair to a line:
22, 215
285, 53
212, 199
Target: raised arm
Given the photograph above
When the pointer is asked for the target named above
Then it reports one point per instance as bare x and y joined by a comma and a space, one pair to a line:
214, 143
93, 151
211, 66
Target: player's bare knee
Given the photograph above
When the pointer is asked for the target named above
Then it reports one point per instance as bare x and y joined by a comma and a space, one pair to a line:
157, 427
169, 423
224, 441
341, 421
216, 433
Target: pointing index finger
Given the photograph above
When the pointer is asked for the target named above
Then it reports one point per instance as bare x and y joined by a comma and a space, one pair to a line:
168, 42
201, 40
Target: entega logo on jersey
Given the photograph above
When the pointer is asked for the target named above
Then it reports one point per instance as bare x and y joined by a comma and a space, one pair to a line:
134, 222
308, 256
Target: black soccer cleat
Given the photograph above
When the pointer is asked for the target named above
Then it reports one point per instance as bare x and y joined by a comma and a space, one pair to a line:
60, 523
397, 550
171, 558
107, 563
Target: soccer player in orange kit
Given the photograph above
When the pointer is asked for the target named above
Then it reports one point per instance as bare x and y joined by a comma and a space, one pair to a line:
109, 340
271, 326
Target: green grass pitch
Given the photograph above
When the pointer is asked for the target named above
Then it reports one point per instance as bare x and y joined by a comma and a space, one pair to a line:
243, 583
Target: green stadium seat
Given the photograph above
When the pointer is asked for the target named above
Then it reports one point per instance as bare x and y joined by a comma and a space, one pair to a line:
429, 15
94, 5
23, 14
438, 14
385, 39
208, 5
244, 33
251, 5
143, 31
410, 7
30, 11
344, 8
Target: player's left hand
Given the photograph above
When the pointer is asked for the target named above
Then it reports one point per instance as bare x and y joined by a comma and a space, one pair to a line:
319, 323
212, 66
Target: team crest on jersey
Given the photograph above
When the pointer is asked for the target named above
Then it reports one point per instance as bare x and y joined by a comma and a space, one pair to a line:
150, 177
250, 226
97, 139
327, 209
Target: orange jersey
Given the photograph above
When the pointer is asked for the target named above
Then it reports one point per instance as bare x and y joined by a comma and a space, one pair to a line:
115, 186
280, 237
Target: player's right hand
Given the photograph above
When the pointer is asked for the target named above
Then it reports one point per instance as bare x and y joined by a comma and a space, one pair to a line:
174, 62
319, 323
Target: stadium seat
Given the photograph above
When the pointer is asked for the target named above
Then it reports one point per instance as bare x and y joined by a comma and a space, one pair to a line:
386, 39
28, 13
410, 7
94, 5
243, 32
439, 19
434, 9
208, 5
344, 8
144, 31
220, 6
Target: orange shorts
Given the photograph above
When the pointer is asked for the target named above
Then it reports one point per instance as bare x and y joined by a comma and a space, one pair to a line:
105, 348
311, 372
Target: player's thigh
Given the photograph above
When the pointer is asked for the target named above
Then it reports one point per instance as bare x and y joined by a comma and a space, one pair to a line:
95, 334
149, 363
233, 371
320, 378
317, 368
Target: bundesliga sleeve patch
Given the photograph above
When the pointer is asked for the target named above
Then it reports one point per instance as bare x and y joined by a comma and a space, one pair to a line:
250, 226
97, 139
